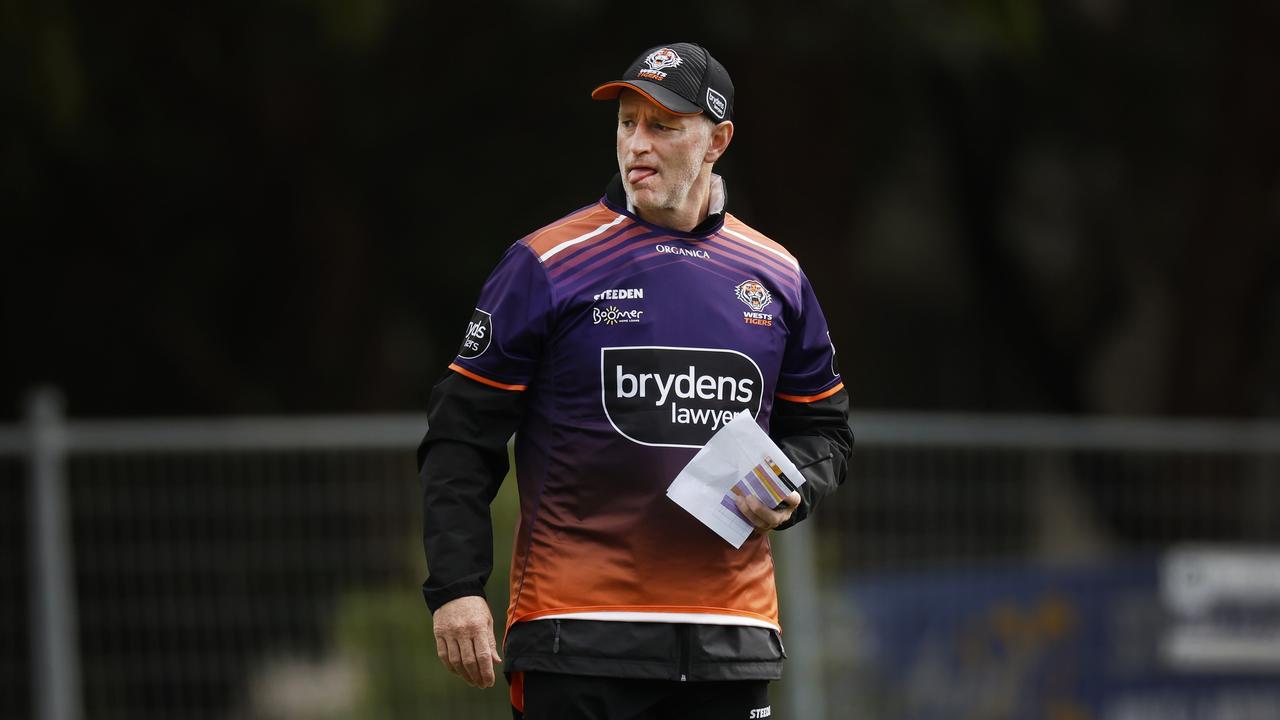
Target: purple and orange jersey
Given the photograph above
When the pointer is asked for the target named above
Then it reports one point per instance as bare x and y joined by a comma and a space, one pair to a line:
634, 344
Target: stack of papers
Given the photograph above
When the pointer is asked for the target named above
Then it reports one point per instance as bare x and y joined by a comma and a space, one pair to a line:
740, 459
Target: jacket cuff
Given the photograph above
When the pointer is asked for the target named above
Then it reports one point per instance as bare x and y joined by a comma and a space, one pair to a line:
439, 596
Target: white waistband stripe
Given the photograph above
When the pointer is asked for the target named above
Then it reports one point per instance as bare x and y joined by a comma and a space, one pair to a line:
686, 618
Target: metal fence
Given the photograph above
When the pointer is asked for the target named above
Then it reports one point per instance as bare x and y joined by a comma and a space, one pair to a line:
268, 568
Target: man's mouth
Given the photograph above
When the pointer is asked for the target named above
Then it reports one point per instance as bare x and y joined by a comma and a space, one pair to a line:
638, 173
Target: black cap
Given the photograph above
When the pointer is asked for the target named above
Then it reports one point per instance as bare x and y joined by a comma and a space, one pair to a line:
682, 78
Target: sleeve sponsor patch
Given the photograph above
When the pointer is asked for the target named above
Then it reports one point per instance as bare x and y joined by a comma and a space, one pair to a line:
479, 336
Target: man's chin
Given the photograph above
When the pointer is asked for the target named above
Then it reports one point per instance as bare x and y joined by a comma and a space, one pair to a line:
644, 199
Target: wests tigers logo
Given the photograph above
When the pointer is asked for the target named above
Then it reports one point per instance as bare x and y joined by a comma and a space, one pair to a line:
754, 295
657, 61
662, 59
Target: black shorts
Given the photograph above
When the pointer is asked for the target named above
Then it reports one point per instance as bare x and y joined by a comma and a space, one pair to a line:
553, 696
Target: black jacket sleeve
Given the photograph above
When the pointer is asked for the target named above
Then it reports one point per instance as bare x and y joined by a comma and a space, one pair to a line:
817, 438
461, 463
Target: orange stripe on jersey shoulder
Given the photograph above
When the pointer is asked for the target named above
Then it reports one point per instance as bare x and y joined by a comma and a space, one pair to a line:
743, 232
811, 398
482, 379
578, 223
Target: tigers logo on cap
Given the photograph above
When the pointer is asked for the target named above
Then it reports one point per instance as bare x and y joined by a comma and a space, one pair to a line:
657, 60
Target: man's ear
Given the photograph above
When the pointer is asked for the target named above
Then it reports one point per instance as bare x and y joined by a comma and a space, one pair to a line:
721, 136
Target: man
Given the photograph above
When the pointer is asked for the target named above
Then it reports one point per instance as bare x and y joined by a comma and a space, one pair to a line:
613, 343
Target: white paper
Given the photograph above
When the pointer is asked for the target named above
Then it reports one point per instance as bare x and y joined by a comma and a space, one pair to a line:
739, 458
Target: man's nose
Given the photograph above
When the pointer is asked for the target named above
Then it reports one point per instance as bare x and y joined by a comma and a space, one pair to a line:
641, 141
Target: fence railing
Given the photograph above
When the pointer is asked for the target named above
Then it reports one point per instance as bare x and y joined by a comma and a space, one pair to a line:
268, 567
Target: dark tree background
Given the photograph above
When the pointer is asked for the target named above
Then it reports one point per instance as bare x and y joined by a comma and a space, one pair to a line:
288, 206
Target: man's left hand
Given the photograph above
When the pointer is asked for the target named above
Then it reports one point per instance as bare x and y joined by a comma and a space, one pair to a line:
766, 519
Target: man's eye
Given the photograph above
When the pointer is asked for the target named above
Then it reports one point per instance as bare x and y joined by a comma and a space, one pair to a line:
663, 128
626, 123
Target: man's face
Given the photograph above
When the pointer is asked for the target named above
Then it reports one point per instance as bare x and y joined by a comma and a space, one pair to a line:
659, 154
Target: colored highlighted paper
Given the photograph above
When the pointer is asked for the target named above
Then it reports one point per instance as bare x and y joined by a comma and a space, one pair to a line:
740, 459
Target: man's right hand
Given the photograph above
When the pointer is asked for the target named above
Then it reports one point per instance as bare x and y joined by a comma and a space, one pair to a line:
464, 640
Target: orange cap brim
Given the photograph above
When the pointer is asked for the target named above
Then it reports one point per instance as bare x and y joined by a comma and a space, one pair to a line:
611, 90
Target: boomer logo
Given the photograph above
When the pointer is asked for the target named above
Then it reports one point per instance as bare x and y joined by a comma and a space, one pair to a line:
612, 315
479, 335
676, 397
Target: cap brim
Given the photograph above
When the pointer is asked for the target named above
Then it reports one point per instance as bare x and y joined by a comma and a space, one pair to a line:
651, 91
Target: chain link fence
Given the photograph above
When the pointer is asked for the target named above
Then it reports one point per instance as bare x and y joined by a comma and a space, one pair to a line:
268, 568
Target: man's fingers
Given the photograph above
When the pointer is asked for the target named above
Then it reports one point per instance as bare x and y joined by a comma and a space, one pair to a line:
765, 518
472, 656
470, 669
752, 509
455, 657
792, 500
493, 645
442, 652
484, 660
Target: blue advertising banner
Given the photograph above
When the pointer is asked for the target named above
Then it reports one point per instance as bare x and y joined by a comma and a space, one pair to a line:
1077, 643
